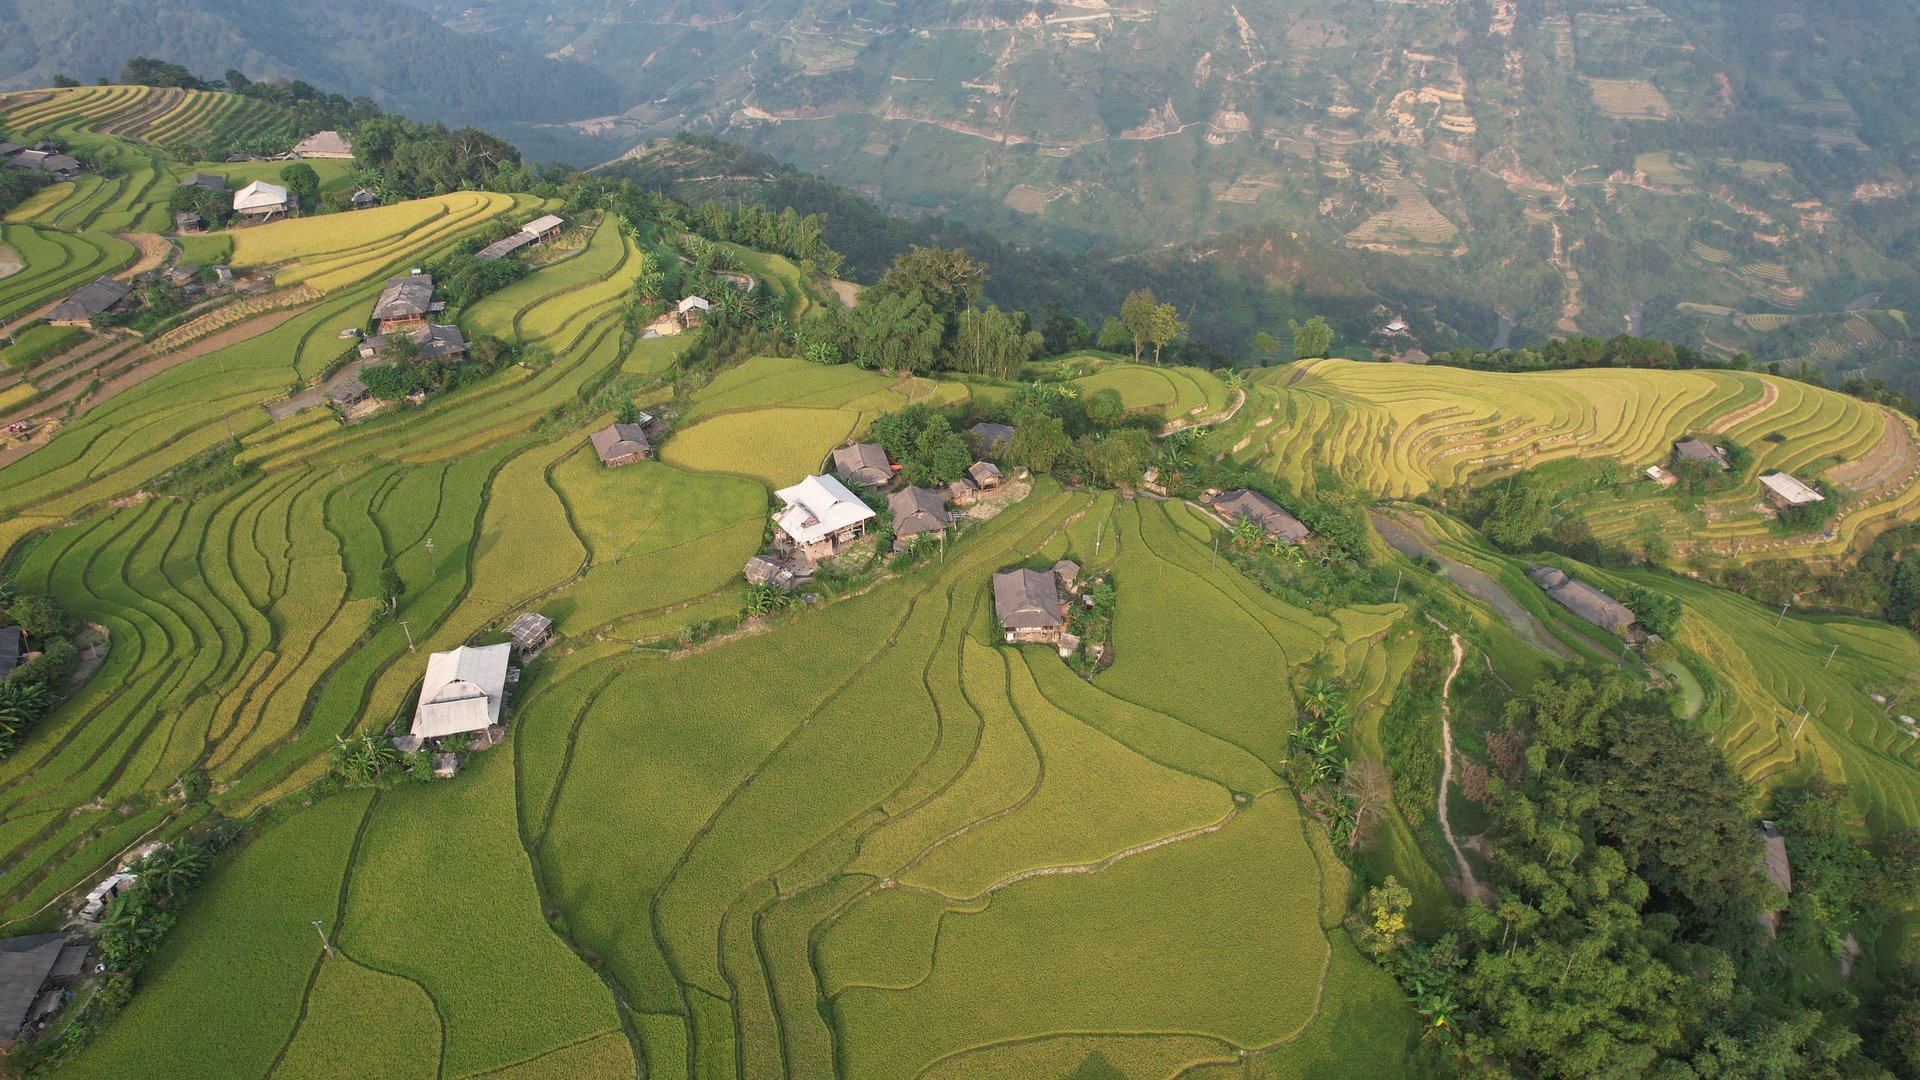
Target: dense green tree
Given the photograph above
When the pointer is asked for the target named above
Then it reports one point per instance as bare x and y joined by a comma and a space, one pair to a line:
303, 184
990, 342
1105, 407
1137, 313
1267, 346
1061, 332
39, 617
1310, 339
1121, 457
1651, 772
1519, 511
1039, 440
1113, 335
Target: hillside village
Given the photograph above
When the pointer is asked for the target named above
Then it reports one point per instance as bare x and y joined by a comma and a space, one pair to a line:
409, 583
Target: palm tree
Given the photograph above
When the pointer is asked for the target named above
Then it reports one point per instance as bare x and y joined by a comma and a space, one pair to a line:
1316, 696
173, 868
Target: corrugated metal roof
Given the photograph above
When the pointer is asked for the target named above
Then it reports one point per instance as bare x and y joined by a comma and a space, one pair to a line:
1027, 599
462, 690
818, 507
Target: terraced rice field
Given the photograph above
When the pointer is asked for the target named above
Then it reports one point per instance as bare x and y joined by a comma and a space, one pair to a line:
1399, 433
1177, 392
334, 251
774, 420
1776, 703
56, 264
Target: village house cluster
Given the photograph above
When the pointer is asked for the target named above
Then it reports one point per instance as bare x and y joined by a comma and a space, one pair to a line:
821, 517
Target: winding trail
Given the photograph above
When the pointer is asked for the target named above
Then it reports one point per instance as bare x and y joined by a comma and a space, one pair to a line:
1469, 884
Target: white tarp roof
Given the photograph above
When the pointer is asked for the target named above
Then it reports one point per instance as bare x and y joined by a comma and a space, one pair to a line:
259, 194
542, 224
693, 302
462, 691
818, 507
1790, 489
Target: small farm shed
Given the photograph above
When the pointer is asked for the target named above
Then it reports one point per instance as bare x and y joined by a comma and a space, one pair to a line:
1067, 571
503, 247
261, 201
206, 180
529, 632
1773, 862
406, 301
463, 691
1700, 452
864, 464
1583, 599
329, 145
985, 475
102, 894
180, 274
544, 228
8, 149
692, 310
350, 392
962, 492
1245, 504
819, 518
72, 963
761, 570
994, 438
1028, 605
362, 199
186, 221
1786, 492
12, 644
95, 298
26, 963
1661, 476
621, 444
918, 511
446, 766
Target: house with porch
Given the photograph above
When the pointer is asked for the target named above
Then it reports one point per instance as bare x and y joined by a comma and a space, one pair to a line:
261, 201
863, 465
819, 518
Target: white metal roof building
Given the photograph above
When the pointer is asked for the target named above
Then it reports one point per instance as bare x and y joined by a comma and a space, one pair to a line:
462, 691
259, 197
543, 224
1787, 491
694, 303
817, 508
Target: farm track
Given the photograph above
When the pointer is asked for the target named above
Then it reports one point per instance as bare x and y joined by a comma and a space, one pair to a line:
1469, 885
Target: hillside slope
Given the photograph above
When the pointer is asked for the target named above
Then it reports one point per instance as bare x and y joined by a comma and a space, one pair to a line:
376, 48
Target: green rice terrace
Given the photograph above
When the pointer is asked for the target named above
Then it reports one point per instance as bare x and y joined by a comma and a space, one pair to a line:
728, 832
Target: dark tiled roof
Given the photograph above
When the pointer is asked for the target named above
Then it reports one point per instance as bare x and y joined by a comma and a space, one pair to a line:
206, 180
917, 511
25, 963
1582, 599
1262, 511
617, 441
863, 463
993, 436
405, 298
500, 249
1027, 599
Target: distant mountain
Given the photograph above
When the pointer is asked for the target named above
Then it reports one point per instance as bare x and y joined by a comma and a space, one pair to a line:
1736, 174
1590, 165
388, 51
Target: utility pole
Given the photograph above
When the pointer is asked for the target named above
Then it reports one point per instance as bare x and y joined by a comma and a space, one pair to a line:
433, 566
342, 477
1830, 656
1803, 724
1396, 585
322, 931
1783, 615
409, 632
